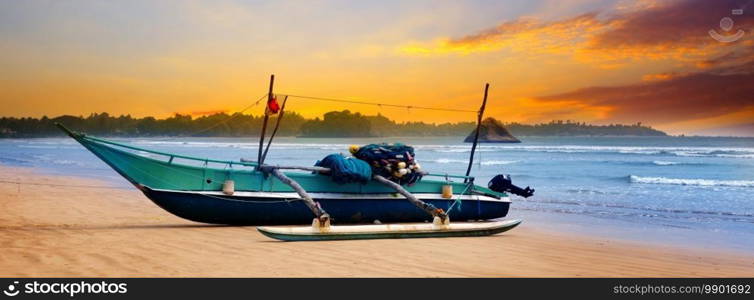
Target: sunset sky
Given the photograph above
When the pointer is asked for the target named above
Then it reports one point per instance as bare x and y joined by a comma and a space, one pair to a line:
592, 61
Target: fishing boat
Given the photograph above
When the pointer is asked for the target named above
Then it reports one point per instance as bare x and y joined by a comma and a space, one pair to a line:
247, 192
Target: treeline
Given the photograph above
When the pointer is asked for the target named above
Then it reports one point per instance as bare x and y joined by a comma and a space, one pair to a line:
570, 128
178, 125
332, 124
348, 124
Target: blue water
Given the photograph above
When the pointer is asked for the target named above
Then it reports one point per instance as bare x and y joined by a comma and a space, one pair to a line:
690, 191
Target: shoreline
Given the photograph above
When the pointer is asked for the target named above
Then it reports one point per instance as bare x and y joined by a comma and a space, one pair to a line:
85, 227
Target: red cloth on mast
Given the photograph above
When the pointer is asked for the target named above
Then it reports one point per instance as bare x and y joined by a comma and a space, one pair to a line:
272, 104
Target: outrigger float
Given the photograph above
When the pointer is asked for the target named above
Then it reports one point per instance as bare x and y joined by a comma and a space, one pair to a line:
248, 192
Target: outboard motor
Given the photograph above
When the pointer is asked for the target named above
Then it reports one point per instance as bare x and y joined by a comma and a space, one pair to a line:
502, 184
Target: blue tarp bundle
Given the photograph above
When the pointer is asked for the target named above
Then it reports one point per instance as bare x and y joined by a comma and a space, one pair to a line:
346, 169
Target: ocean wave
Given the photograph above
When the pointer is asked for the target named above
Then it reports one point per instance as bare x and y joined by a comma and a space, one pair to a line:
583, 191
51, 159
448, 161
49, 147
14, 161
464, 161
660, 163
450, 150
692, 182
665, 163
498, 162
633, 212
443, 150
631, 150
67, 162
636, 207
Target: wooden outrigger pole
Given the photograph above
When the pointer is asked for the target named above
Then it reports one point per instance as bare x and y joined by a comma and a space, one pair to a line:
426, 207
476, 133
321, 216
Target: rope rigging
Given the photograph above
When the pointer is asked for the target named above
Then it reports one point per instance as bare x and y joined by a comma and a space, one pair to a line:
232, 116
259, 100
218, 123
378, 104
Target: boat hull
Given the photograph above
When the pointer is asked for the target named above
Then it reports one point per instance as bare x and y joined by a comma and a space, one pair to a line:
216, 208
191, 188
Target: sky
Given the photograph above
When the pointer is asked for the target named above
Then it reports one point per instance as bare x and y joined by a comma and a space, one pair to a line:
594, 61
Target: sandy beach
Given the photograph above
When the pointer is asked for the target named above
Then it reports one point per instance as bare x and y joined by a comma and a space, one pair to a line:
80, 227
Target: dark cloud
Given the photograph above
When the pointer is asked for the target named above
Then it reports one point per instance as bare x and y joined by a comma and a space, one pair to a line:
686, 97
725, 86
674, 24
736, 60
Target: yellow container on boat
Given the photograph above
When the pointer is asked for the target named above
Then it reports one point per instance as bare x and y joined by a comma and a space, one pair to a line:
447, 191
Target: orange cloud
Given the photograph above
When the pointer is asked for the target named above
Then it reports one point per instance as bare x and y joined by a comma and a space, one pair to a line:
523, 34
670, 30
661, 76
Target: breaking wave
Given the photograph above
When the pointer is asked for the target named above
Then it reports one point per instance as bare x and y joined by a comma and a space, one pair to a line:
691, 182
463, 161
498, 162
662, 151
448, 161
50, 159
665, 163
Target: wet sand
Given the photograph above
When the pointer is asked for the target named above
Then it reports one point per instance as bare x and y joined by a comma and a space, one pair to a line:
62, 229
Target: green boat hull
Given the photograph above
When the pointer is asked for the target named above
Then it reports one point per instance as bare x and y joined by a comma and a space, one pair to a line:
191, 188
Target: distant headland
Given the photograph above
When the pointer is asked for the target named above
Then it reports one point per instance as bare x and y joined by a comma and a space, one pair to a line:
491, 131
333, 124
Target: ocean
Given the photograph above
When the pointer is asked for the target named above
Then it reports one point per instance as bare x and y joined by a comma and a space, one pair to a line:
679, 191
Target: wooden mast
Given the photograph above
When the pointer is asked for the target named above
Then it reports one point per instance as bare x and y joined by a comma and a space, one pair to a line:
264, 123
476, 134
274, 130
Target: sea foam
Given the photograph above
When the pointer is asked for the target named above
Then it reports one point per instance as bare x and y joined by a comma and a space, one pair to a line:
664, 163
693, 182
